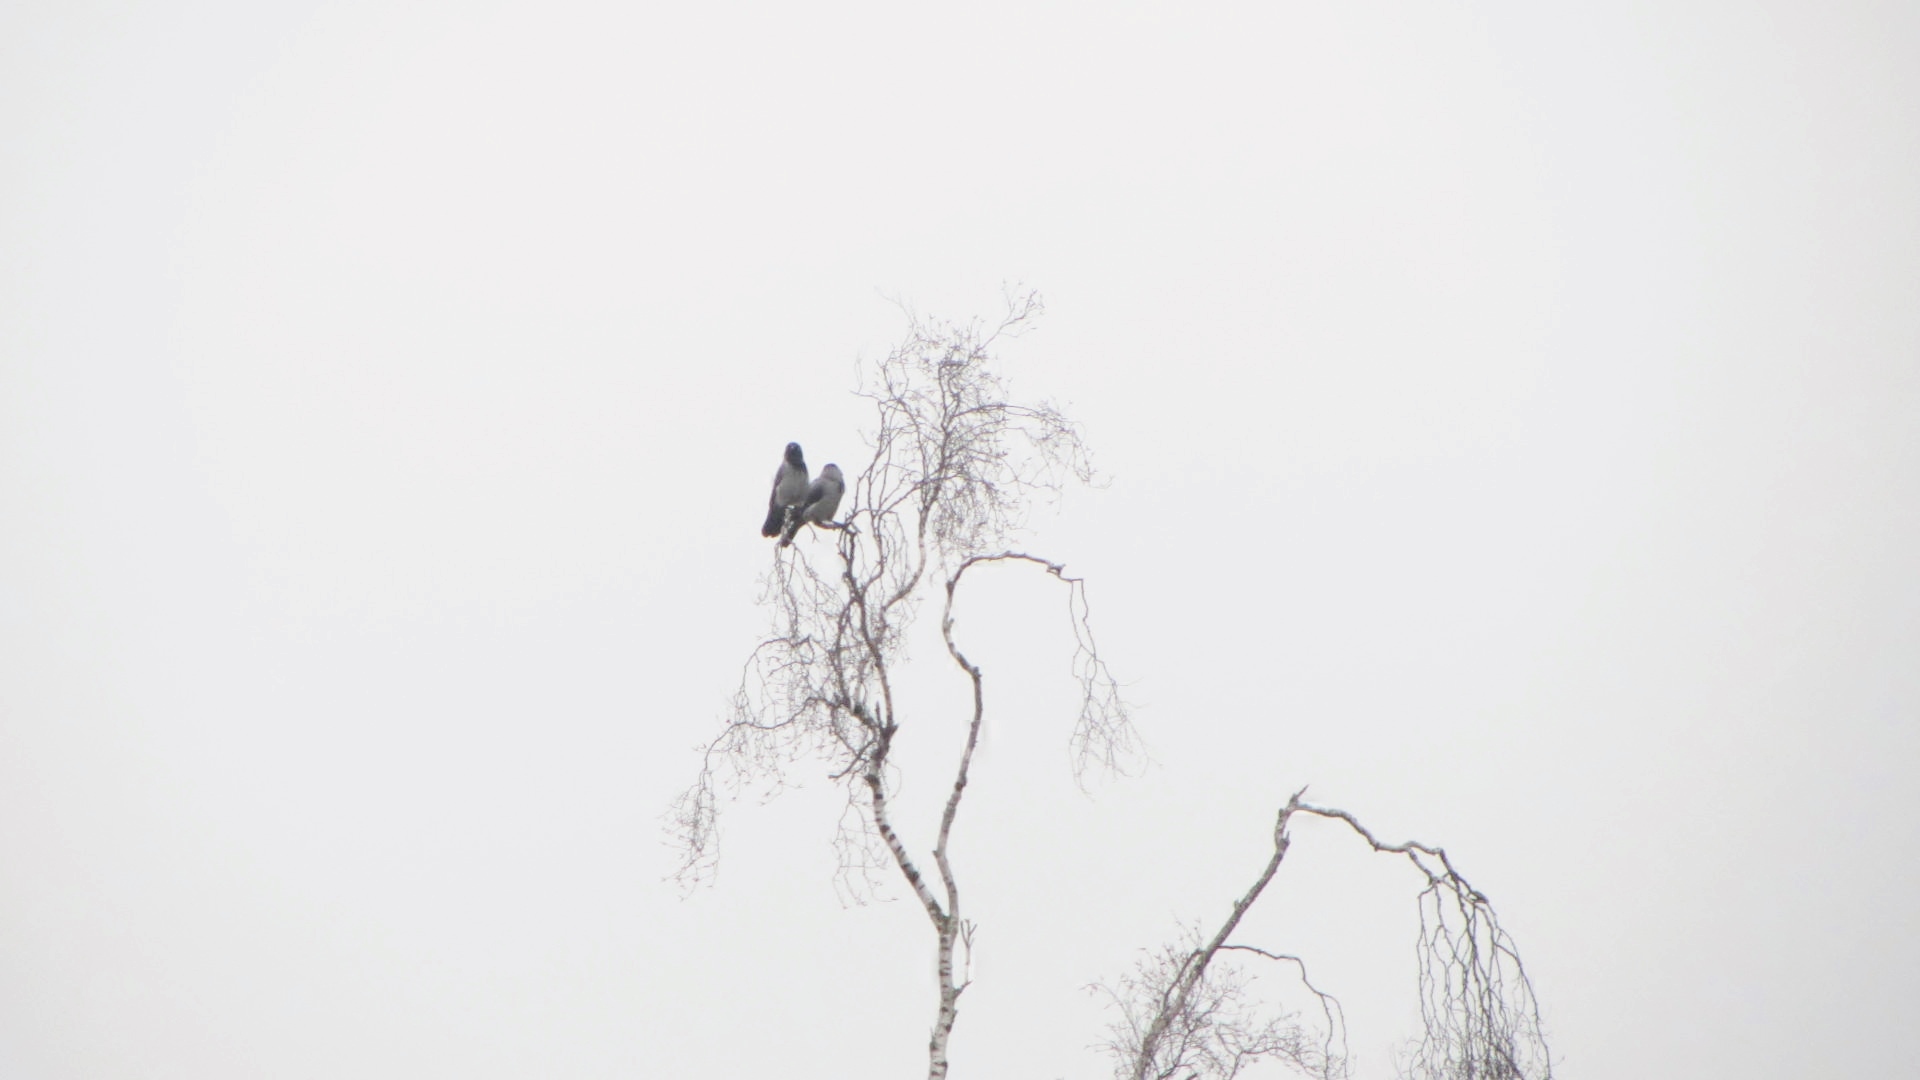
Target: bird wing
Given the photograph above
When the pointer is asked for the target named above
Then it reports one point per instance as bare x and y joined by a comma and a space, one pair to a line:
775, 514
789, 489
823, 498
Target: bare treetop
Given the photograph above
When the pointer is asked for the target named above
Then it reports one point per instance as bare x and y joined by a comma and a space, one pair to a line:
955, 462
953, 448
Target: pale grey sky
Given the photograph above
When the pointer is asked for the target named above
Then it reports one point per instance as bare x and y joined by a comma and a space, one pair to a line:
1512, 419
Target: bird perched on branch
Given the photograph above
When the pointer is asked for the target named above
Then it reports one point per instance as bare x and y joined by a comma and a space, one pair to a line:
823, 498
789, 490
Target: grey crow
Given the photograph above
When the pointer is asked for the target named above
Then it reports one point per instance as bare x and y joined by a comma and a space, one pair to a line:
823, 498
789, 490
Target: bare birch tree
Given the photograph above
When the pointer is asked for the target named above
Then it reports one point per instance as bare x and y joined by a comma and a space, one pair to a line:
1183, 1018
955, 462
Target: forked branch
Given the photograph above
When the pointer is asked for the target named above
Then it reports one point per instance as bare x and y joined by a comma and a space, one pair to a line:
1480, 1018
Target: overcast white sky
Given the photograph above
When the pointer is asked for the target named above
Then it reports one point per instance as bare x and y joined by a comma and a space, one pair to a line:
1512, 419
